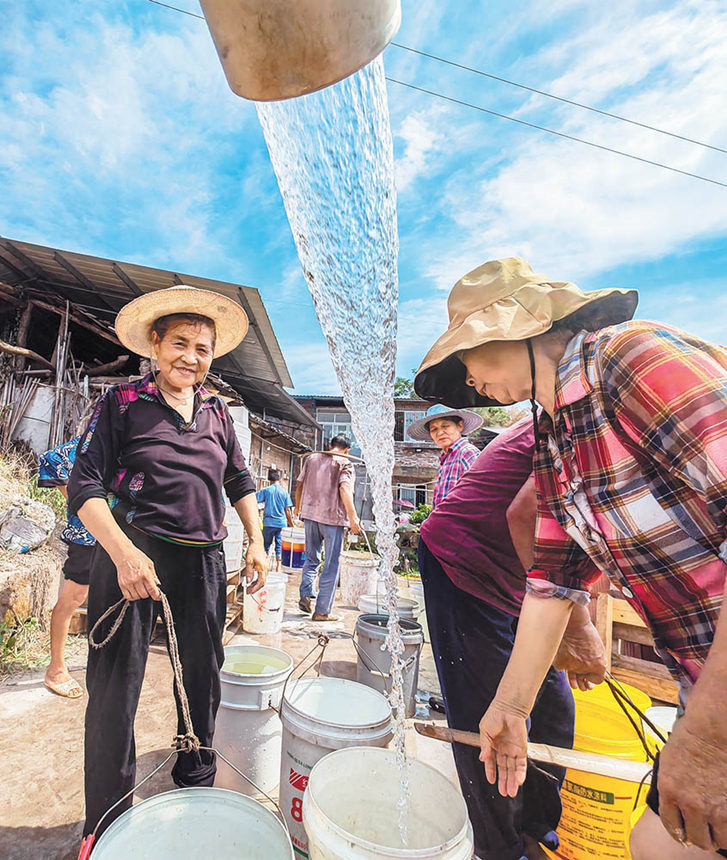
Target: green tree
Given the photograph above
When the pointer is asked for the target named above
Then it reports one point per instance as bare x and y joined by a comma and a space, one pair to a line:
493, 416
404, 387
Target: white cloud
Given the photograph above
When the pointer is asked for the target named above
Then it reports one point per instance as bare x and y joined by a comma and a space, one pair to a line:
111, 119
422, 142
575, 211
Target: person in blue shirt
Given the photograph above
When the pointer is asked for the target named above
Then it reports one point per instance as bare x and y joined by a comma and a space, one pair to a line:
276, 513
54, 471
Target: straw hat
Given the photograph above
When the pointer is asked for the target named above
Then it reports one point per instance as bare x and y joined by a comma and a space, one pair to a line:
420, 429
135, 320
506, 300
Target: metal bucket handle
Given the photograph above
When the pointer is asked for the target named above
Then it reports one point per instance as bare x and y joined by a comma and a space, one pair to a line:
375, 669
88, 841
255, 600
322, 643
366, 538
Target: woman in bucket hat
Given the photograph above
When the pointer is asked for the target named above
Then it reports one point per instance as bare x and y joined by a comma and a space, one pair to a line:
631, 475
448, 429
162, 449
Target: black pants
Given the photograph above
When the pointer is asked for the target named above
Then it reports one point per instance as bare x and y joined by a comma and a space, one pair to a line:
472, 642
194, 581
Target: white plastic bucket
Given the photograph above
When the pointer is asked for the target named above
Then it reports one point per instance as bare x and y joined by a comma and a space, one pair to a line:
350, 810
195, 822
359, 573
663, 717
292, 549
415, 589
248, 730
263, 611
321, 715
234, 541
374, 663
375, 604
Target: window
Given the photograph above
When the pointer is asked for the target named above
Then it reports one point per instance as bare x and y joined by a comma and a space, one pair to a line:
403, 419
410, 416
416, 494
337, 424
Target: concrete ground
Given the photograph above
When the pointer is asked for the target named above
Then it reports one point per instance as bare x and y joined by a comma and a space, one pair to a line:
41, 789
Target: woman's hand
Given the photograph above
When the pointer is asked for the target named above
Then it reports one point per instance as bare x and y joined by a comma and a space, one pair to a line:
256, 561
582, 655
693, 777
136, 574
504, 742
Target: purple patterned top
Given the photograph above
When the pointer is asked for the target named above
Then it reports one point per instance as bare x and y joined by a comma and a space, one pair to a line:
166, 476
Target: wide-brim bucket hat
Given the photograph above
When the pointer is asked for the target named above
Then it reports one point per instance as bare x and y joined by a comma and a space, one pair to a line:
505, 300
419, 430
134, 321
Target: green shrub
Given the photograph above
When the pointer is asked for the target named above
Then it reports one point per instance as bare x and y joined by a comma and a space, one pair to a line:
420, 514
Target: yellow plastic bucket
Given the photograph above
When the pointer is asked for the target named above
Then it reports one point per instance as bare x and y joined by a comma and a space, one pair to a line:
597, 810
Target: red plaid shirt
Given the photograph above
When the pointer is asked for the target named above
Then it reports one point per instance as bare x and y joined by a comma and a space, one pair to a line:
452, 466
633, 481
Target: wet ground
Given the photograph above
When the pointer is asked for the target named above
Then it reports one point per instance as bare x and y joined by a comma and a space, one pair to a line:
41, 764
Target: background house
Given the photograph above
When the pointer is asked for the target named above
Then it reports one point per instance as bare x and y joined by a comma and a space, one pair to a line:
415, 464
59, 353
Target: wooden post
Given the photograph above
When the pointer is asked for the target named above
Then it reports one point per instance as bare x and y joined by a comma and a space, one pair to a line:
604, 624
23, 335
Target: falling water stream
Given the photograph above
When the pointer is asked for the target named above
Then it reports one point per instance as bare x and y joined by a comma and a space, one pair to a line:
332, 153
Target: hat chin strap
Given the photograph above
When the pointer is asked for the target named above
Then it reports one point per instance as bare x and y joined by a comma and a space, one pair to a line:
533, 404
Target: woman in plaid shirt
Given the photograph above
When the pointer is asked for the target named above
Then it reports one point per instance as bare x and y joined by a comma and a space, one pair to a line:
631, 476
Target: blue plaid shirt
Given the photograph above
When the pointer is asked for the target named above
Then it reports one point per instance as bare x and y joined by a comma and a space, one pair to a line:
55, 470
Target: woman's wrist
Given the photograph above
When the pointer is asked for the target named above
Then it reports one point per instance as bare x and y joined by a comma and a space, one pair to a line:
510, 700
118, 546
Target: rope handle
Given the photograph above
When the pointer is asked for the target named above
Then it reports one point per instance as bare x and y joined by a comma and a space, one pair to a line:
187, 742
622, 700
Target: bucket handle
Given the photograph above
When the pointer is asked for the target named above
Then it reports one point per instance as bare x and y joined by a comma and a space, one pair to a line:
254, 599
322, 643
368, 543
375, 669
88, 841
622, 700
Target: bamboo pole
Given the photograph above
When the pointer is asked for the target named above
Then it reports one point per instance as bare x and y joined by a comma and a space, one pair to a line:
603, 765
27, 353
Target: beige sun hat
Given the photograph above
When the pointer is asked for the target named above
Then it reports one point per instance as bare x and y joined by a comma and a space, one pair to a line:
506, 300
135, 320
419, 430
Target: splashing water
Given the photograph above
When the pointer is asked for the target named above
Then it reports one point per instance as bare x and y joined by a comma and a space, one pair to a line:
332, 153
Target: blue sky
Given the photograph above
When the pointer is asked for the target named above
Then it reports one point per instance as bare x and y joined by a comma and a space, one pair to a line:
121, 138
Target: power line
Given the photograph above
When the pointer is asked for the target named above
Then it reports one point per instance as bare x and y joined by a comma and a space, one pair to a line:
556, 98
518, 85
557, 133
532, 125
177, 9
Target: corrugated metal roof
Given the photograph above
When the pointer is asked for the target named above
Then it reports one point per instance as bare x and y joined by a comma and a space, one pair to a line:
103, 286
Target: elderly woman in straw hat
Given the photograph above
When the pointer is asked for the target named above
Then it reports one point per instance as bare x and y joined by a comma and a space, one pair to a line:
448, 429
631, 476
148, 482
